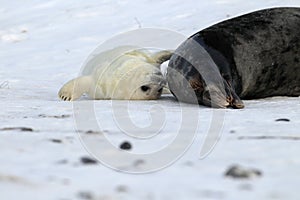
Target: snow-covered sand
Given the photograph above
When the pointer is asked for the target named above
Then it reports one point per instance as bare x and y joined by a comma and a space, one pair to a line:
44, 43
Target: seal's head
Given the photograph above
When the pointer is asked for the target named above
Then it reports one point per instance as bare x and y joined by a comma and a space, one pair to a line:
190, 85
142, 81
198, 74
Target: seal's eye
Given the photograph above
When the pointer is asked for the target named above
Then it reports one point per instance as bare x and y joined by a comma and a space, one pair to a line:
145, 88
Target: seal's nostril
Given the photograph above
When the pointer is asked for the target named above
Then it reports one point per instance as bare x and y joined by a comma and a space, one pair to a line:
160, 90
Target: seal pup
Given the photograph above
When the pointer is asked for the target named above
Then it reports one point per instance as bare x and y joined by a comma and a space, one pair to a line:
124, 72
252, 56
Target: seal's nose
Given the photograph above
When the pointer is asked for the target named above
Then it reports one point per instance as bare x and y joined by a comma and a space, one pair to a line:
237, 103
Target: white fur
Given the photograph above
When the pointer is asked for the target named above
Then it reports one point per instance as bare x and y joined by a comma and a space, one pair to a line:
119, 74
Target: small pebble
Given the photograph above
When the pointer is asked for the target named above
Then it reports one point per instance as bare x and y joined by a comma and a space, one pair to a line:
92, 132
88, 160
239, 172
85, 195
122, 188
54, 116
125, 146
282, 120
56, 140
25, 129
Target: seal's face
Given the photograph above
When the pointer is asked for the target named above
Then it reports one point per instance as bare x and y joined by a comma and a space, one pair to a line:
220, 96
142, 81
151, 87
149, 91
210, 88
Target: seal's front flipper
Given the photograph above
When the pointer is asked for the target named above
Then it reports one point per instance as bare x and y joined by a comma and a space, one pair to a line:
73, 89
161, 56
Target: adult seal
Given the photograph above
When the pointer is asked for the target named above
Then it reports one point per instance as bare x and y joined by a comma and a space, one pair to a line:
124, 72
255, 55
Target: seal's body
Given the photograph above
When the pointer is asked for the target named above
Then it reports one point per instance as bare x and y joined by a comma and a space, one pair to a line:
256, 55
120, 73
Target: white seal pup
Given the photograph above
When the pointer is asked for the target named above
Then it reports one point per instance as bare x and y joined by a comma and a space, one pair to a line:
120, 73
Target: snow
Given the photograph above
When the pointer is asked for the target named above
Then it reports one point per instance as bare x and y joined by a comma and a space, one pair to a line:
44, 43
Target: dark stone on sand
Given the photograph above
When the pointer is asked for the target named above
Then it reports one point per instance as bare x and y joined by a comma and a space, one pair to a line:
56, 140
23, 129
88, 161
54, 116
239, 172
122, 188
86, 195
282, 120
125, 146
93, 132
